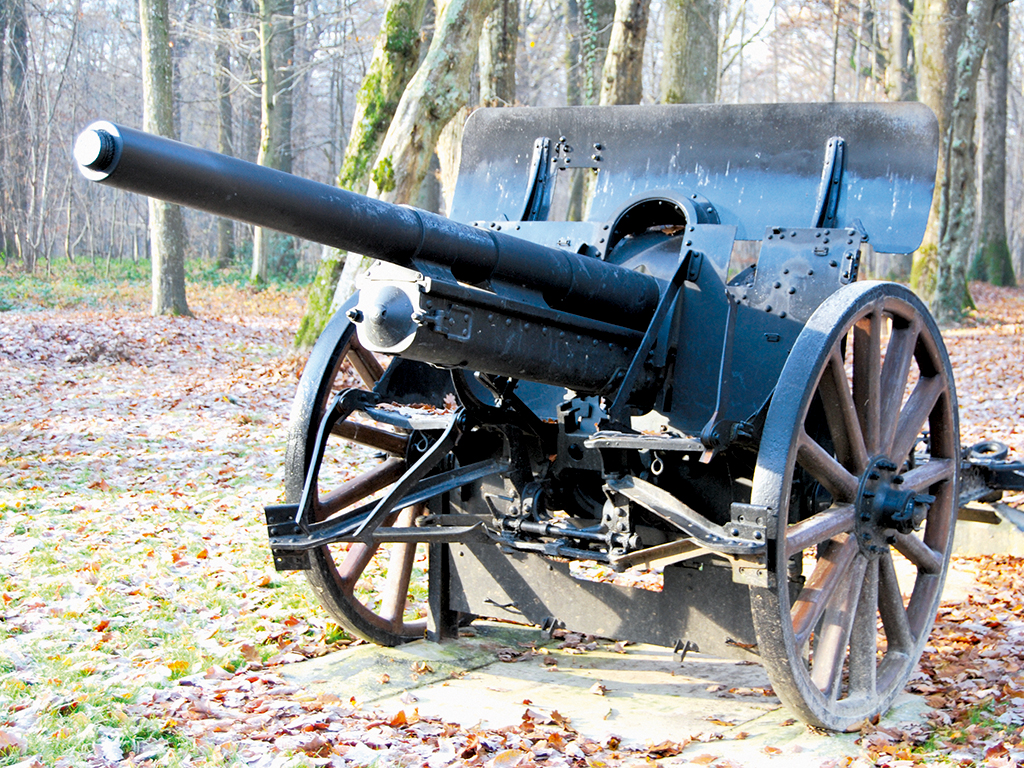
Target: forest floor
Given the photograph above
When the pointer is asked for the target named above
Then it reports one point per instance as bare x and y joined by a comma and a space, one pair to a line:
142, 621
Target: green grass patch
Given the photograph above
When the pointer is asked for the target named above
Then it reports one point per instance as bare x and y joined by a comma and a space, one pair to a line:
124, 284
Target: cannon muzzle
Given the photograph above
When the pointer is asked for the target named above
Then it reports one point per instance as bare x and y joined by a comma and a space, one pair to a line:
169, 170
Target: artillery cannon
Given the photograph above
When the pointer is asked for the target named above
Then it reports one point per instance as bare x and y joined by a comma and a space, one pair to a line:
779, 440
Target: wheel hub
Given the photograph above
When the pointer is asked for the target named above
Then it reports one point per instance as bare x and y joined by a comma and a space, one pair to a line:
885, 507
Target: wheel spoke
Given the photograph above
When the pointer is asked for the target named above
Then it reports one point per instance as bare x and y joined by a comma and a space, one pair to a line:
827, 668
914, 414
400, 565
374, 437
824, 467
867, 353
356, 559
864, 637
829, 572
920, 554
934, 471
899, 636
818, 528
358, 488
365, 364
841, 415
895, 371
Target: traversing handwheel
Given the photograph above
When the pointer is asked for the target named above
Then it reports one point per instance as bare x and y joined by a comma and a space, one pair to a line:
374, 592
860, 459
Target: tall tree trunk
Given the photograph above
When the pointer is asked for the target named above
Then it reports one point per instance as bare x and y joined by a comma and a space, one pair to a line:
16, 137
938, 29
4, 6
992, 262
435, 93
247, 128
957, 184
277, 44
396, 54
166, 228
498, 44
622, 76
432, 98
573, 53
225, 125
589, 24
4, 213
836, 11
899, 75
863, 12
690, 71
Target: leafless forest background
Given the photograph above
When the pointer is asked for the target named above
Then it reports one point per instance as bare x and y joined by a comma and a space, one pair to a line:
67, 63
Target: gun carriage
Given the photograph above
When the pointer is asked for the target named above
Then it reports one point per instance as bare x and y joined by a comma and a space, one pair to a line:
779, 440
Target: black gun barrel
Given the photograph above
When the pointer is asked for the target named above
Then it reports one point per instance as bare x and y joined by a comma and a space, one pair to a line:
178, 173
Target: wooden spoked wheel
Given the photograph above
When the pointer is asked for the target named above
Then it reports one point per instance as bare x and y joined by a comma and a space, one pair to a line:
367, 590
860, 459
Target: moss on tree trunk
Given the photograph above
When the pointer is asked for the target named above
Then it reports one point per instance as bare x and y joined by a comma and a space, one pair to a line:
395, 56
937, 29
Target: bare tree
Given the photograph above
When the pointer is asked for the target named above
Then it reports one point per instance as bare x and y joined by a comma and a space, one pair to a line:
690, 72
498, 44
956, 184
939, 26
432, 98
225, 124
4, 221
992, 261
868, 59
434, 95
622, 75
15, 113
588, 26
899, 75
277, 45
166, 229
396, 53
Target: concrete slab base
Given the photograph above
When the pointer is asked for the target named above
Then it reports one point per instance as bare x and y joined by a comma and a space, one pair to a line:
989, 529
640, 693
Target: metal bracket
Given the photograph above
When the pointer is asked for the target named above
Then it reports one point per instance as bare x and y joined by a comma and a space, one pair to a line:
618, 411
413, 475
566, 155
343, 527
693, 269
453, 321
342, 407
552, 625
729, 540
538, 197
830, 184
724, 377
683, 648
281, 521
754, 521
